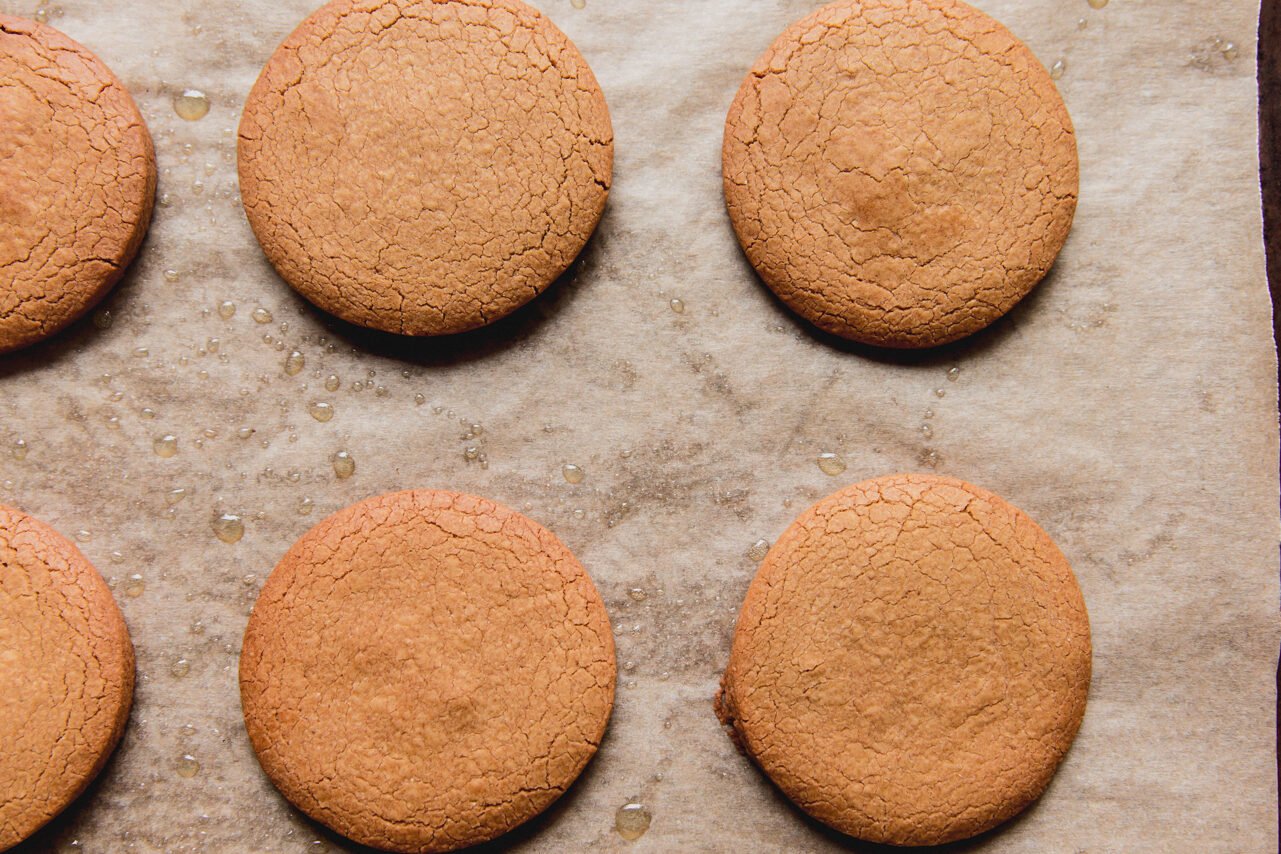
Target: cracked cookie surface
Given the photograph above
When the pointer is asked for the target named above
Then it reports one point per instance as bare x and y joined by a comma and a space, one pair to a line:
900, 172
425, 167
66, 674
911, 662
77, 181
425, 671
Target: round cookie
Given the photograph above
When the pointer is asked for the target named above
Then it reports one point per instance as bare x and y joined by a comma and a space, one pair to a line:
77, 181
900, 172
911, 662
425, 671
424, 167
66, 674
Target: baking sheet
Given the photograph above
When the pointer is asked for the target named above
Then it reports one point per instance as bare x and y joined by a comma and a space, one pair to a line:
1128, 405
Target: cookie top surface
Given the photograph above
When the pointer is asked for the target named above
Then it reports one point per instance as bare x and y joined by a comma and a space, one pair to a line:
911, 662
66, 674
425, 671
900, 172
77, 181
424, 167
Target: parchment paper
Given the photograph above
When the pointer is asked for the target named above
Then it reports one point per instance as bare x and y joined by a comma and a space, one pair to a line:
1128, 406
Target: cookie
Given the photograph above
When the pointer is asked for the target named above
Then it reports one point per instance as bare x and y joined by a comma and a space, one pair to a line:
911, 662
77, 181
900, 172
425, 671
66, 674
424, 167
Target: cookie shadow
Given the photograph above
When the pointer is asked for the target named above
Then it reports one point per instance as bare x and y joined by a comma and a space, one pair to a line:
849, 843
68, 343
53, 835
507, 333
845, 842
509, 841
987, 339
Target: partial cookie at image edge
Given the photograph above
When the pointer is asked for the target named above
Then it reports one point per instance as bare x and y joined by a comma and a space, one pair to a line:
76, 220
57, 610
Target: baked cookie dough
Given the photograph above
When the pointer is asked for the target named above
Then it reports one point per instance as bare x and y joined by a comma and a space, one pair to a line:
66, 674
900, 172
912, 661
424, 167
77, 181
425, 671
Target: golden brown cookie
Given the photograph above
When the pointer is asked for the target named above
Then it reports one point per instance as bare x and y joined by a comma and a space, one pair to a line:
66, 674
424, 167
77, 181
912, 661
425, 671
900, 172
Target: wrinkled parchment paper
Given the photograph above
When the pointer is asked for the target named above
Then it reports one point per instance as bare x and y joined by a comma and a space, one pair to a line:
1128, 406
